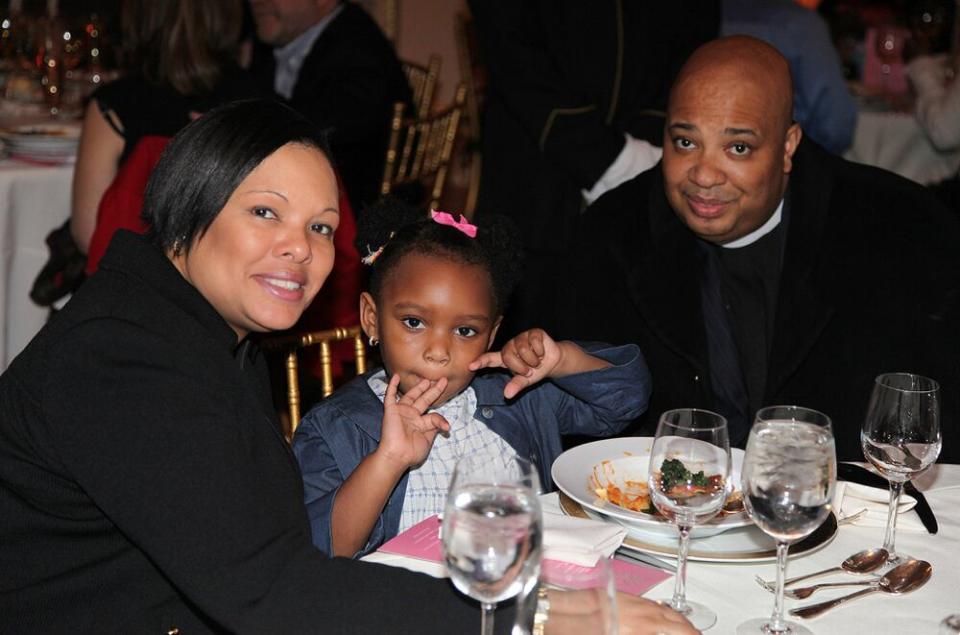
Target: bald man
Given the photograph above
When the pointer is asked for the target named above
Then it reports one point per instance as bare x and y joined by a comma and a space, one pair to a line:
754, 268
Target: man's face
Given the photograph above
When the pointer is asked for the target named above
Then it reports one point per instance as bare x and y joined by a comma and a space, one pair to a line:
279, 22
727, 153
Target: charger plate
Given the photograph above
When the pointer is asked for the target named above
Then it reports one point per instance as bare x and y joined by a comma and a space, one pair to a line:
747, 544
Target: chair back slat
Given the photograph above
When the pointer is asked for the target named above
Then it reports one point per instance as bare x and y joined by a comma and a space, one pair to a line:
421, 148
325, 339
423, 83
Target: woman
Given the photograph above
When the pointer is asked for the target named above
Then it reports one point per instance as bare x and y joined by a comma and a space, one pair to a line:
181, 59
144, 482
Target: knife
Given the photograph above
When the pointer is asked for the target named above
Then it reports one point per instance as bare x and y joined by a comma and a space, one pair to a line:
644, 558
862, 476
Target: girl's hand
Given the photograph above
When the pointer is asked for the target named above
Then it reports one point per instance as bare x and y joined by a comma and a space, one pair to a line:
406, 434
530, 356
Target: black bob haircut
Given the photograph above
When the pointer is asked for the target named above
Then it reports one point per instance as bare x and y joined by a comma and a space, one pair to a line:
401, 229
204, 163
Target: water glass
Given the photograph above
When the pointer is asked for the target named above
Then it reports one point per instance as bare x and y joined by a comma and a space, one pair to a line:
788, 477
901, 437
492, 529
689, 480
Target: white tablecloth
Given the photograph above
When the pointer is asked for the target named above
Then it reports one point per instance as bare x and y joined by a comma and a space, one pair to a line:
894, 141
33, 201
730, 590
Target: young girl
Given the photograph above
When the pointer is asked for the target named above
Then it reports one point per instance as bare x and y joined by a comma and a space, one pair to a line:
377, 455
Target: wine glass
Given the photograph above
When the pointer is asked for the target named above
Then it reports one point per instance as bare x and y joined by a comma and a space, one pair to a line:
492, 529
889, 47
788, 477
689, 481
901, 437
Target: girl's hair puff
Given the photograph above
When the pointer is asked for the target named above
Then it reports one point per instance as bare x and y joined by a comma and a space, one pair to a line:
400, 229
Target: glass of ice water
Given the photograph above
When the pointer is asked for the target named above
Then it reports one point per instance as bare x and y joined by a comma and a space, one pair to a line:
788, 477
492, 529
901, 437
689, 481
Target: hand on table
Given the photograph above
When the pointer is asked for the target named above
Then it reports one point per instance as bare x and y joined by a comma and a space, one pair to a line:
574, 612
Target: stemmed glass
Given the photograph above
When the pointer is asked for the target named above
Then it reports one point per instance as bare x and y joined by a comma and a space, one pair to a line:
788, 477
901, 437
689, 481
492, 529
889, 46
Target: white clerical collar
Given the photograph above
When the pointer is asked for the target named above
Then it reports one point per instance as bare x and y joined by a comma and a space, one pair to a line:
758, 233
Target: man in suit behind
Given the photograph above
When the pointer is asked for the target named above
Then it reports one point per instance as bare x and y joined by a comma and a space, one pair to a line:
332, 63
754, 268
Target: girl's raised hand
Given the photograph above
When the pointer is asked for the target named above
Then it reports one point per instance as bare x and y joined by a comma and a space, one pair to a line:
406, 434
531, 356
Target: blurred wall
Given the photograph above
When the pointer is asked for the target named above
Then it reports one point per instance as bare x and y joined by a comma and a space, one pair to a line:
425, 27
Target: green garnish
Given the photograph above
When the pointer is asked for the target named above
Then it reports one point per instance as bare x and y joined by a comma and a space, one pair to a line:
674, 472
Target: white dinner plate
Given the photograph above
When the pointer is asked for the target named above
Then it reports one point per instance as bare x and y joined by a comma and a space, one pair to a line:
42, 137
746, 544
573, 474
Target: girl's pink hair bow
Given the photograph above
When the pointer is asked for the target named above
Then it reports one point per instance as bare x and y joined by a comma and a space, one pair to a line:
447, 219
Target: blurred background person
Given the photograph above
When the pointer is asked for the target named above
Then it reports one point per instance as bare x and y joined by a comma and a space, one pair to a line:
822, 103
933, 70
334, 65
179, 60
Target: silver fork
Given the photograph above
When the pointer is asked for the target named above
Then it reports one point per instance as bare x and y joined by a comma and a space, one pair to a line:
807, 591
852, 518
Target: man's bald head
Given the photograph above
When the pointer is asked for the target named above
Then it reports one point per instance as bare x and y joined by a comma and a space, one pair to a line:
730, 138
742, 62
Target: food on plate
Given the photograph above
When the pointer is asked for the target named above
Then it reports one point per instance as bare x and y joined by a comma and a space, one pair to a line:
675, 479
634, 495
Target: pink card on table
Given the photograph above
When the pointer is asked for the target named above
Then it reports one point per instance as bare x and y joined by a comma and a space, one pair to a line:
422, 541
629, 577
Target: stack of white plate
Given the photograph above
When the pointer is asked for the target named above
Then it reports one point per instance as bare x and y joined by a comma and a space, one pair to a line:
42, 143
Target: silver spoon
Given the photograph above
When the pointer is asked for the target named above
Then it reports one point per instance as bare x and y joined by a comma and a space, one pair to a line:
904, 578
861, 562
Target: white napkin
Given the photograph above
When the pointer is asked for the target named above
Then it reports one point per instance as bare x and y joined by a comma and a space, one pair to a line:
580, 541
850, 498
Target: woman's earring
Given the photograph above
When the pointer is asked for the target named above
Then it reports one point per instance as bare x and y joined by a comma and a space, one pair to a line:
178, 245
373, 342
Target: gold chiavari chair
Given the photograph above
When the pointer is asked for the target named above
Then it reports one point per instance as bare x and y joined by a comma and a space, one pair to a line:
324, 339
420, 149
423, 83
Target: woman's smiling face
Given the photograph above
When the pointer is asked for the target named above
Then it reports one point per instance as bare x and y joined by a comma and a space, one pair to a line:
434, 316
270, 249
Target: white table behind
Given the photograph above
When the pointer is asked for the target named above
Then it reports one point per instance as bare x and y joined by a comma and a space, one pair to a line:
894, 141
33, 201
730, 590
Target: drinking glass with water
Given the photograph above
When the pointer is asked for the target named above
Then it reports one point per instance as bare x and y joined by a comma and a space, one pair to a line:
492, 530
788, 477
